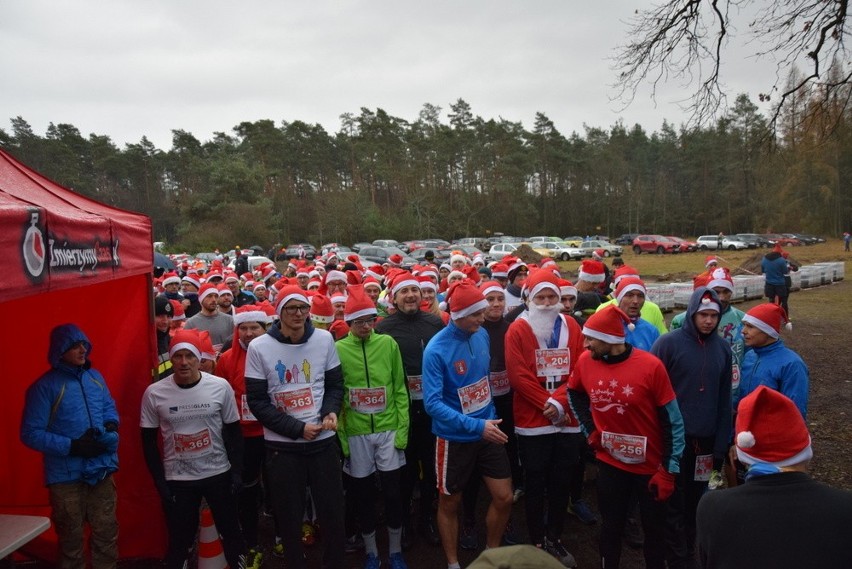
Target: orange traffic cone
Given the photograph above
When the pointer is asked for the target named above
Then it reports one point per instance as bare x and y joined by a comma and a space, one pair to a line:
210, 552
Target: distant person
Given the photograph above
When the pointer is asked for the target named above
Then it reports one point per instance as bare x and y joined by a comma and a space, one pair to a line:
780, 517
241, 265
70, 417
720, 240
846, 238
774, 268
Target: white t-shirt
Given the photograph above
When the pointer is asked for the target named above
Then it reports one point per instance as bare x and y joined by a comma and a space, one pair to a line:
190, 422
295, 376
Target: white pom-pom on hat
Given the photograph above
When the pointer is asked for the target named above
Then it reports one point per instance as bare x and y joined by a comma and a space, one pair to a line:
745, 439
788, 326
631, 326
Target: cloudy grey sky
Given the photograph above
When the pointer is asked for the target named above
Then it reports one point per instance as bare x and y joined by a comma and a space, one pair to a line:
128, 68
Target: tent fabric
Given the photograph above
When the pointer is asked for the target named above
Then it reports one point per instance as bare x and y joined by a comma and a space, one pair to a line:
109, 297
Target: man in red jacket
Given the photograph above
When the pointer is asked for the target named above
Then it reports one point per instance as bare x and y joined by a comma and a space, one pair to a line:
541, 347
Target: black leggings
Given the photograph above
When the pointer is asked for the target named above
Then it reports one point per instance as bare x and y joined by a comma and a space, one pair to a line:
365, 498
249, 496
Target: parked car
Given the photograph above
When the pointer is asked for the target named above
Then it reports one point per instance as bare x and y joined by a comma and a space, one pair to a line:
380, 254
802, 238
468, 250
441, 255
295, 251
685, 245
500, 250
360, 245
774, 238
574, 240
555, 250
753, 240
655, 244
478, 242
540, 238
730, 242
608, 248
626, 239
391, 243
253, 262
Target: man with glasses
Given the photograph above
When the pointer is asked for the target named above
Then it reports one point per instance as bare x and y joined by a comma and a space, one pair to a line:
294, 386
457, 396
373, 427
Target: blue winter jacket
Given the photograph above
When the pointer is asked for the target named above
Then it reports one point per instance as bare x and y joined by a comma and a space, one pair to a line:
774, 267
778, 367
700, 370
454, 359
642, 336
61, 406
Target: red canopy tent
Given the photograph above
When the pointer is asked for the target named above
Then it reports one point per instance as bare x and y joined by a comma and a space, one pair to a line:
72, 259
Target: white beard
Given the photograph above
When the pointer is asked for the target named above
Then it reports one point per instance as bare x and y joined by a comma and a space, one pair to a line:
541, 320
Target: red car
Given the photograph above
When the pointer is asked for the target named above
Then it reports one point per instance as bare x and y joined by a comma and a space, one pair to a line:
655, 244
684, 244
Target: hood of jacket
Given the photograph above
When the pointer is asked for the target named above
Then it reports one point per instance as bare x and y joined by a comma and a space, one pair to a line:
61, 339
694, 306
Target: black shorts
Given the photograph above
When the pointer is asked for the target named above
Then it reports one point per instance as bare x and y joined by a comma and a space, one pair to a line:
455, 463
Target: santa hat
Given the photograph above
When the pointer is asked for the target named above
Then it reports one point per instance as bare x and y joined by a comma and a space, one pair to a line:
353, 277
335, 276
710, 260
208, 352
302, 272
338, 298
777, 248
456, 275
375, 271
372, 283
770, 429
607, 325
491, 286
395, 260
458, 257
567, 288
768, 318
192, 280
231, 277
471, 273
445, 267
707, 302
179, 312
539, 280
591, 271
267, 273
321, 309
628, 284
249, 313
598, 254
206, 290
622, 272
550, 265
721, 277
426, 283
401, 280
314, 284
215, 274
257, 286
288, 293
224, 290
478, 260
185, 340
514, 267
358, 304
500, 270
430, 272
171, 278
464, 299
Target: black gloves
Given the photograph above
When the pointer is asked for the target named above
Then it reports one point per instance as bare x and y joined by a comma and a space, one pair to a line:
87, 446
110, 426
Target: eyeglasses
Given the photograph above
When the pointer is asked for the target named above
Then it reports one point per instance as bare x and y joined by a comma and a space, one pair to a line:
293, 310
363, 322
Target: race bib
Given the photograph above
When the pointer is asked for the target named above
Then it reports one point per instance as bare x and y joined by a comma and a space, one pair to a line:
368, 400
193, 445
703, 468
245, 412
555, 361
499, 382
735, 376
415, 386
629, 449
475, 396
298, 403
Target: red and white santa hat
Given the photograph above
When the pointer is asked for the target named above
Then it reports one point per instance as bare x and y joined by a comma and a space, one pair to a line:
567, 288
491, 286
768, 318
607, 325
707, 302
591, 271
192, 279
456, 275
500, 271
395, 260
338, 298
710, 260
171, 278
224, 290
539, 280
335, 277
429, 272
515, 265
249, 313
321, 309
770, 429
628, 284
215, 275
464, 299
288, 293
185, 340
256, 286
178, 312
403, 279
375, 271
314, 284
458, 257
371, 282
622, 272
231, 277
208, 352
721, 277
206, 290
478, 261
266, 273
598, 254
426, 283
358, 304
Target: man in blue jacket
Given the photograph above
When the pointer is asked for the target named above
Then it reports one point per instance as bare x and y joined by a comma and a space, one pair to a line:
70, 417
699, 364
774, 268
457, 395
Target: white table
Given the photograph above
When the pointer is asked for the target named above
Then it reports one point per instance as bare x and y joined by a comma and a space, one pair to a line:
16, 531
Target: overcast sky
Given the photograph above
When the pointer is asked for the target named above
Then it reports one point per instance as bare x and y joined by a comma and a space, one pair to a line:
131, 68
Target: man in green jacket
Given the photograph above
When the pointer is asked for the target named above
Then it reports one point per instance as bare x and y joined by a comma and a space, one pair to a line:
373, 428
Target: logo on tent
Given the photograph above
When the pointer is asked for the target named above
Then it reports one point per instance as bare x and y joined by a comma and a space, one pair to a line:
33, 248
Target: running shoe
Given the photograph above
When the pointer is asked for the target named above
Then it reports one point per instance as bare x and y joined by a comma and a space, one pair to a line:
583, 512
556, 549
